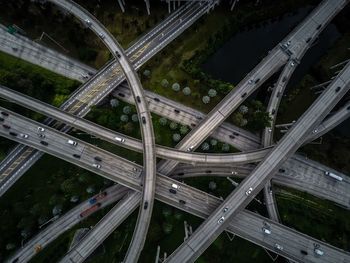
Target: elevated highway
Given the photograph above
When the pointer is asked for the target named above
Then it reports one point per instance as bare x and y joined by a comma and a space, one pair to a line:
245, 224
208, 231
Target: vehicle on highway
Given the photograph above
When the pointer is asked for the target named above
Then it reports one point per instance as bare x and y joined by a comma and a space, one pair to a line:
76, 156
97, 197
334, 176
266, 231
41, 135
98, 166
193, 125
175, 186
138, 99
208, 171
121, 95
303, 252
182, 202
318, 252
232, 137
199, 118
98, 159
292, 64
13, 134
269, 130
221, 219
337, 89
145, 205
257, 80
319, 26
284, 79
308, 40
270, 190
315, 131
15, 260
278, 246
44, 143
234, 172
250, 81
172, 191
90, 210
102, 36
156, 99
6, 126
249, 191
71, 142
273, 111
189, 149
278, 94
24, 136
143, 120
37, 248
244, 94
88, 22
118, 54
4, 114
134, 169
176, 111
225, 209
118, 139
2, 119
348, 108
235, 133
41, 129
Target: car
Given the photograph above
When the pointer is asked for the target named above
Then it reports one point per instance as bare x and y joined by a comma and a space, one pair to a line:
121, 94
182, 173
318, 252
13, 134
90, 74
273, 111
172, 191
71, 142
318, 27
292, 64
85, 76
208, 171
244, 94
88, 22
98, 166
41, 129
4, 114
15, 49
175, 186
156, 99
41, 135
2, 119
284, 79
138, 99
250, 81
182, 202
270, 190
337, 89
15, 260
6, 126
232, 137
234, 172
193, 125
98, 159
118, 139
266, 231
281, 170
102, 36
257, 80
348, 108
278, 94
199, 118
249, 191
235, 133
134, 169
221, 219
24, 136
269, 130
76, 156
189, 149
308, 40
225, 209
145, 205
44, 143
176, 111
143, 120
303, 252
118, 54
279, 247
315, 131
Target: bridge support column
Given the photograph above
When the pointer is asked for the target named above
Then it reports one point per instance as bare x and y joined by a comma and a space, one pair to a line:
121, 4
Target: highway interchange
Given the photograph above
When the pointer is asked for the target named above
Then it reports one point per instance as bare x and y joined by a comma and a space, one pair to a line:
266, 68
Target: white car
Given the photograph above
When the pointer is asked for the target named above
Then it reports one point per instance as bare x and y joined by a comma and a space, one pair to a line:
315, 131
221, 219
71, 142
175, 186
88, 22
279, 247
190, 148
41, 129
292, 64
102, 36
98, 166
24, 136
225, 209
249, 191
266, 231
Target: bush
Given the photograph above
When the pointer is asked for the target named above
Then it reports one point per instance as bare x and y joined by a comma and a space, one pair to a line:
163, 121
147, 73
176, 87
206, 99
165, 83
183, 129
176, 137
173, 125
205, 146
135, 118
212, 93
213, 142
186, 91
127, 110
124, 118
114, 103
225, 147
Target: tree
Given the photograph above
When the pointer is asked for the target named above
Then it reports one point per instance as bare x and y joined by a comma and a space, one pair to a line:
68, 185
135, 118
243, 109
212, 93
243, 122
163, 121
237, 118
124, 118
213, 142
186, 91
173, 125
206, 99
90, 189
176, 137
147, 73
225, 147
183, 129
212, 185
127, 109
176, 87
165, 83
205, 146
167, 228
114, 103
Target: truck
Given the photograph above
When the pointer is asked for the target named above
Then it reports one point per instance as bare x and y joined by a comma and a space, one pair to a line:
334, 176
90, 210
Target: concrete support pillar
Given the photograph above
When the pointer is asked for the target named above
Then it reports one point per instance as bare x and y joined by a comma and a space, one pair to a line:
120, 2
148, 7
